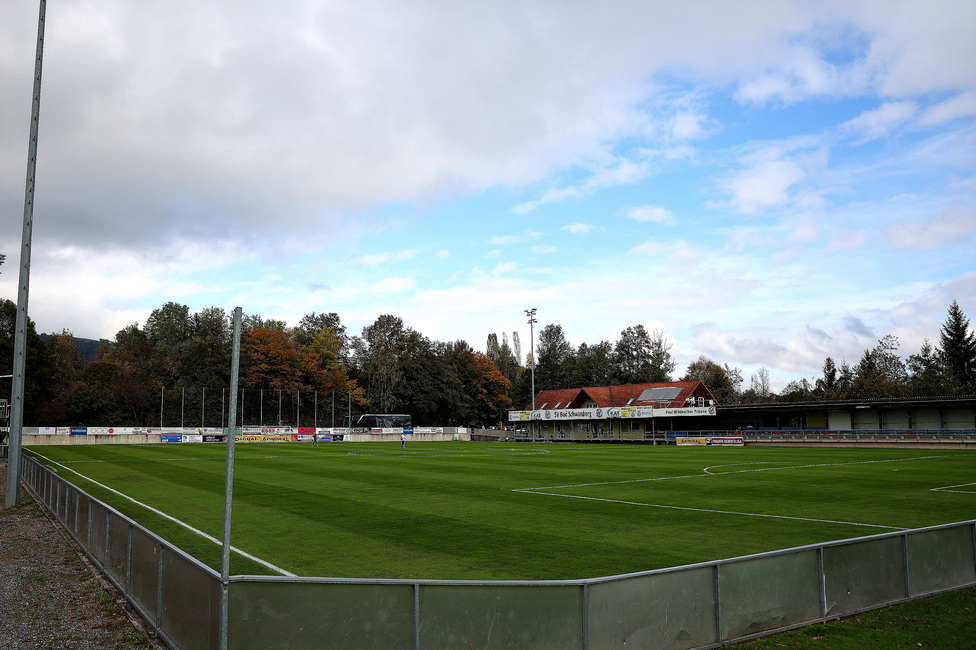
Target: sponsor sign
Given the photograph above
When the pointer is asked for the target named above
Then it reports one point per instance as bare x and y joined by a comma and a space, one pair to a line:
627, 412
46, 431
214, 438
62, 431
730, 441
428, 429
692, 441
171, 437
684, 412
192, 437
79, 431
622, 412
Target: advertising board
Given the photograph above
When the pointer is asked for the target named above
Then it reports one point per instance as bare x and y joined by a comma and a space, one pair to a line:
728, 441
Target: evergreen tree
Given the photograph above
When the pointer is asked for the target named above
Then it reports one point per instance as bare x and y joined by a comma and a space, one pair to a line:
957, 348
927, 377
551, 371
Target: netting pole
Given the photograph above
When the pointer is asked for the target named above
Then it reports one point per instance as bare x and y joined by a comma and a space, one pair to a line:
229, 485
20, 333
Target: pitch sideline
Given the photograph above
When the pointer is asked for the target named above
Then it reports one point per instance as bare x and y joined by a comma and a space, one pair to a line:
171, 518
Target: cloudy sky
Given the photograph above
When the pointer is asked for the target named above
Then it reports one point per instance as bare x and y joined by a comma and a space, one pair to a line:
769, 183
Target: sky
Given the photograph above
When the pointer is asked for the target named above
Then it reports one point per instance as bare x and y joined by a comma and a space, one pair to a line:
768, 183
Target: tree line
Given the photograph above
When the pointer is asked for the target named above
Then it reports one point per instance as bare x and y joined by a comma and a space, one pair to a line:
392, 368
639, 356
388, 368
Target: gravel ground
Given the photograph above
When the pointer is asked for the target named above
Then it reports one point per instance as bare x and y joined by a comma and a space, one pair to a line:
50, 594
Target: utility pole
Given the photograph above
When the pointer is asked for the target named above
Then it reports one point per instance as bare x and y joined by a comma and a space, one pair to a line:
23, 286
532, 320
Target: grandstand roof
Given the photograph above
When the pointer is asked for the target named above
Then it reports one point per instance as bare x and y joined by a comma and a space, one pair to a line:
654, 394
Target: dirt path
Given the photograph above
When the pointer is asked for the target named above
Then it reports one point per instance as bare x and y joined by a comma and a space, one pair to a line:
50, 597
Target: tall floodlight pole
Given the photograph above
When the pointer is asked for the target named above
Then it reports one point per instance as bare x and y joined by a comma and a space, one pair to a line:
229, 486
531, 314
23, 286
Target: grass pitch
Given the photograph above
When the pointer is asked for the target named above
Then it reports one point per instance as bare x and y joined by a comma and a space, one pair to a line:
505, 511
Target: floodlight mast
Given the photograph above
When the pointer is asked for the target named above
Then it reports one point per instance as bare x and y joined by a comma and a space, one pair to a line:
532, 320
20, 332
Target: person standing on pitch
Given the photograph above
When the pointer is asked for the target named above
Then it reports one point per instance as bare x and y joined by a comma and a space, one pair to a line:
315, 439
403, 441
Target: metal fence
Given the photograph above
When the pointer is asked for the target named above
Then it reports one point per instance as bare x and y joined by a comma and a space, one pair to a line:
695, 606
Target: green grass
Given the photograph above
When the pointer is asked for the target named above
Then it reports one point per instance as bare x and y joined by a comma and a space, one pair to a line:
451, 510
944, 621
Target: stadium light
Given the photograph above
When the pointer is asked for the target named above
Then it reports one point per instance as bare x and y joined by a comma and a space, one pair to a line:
532, 320
16, 424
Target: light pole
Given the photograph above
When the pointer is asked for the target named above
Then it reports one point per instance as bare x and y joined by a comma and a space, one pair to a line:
531, 314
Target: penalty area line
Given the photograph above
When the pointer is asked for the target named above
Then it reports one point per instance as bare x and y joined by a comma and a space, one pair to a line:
171, 518
721, 512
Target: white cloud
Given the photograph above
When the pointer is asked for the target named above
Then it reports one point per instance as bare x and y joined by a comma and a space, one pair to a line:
374, 259
848, 240
879, 122
679, 249
442, 254
393, 285
651, 214
962, 105
952, 227
502, 240
543, 249
493, 253
578, 228
765, 184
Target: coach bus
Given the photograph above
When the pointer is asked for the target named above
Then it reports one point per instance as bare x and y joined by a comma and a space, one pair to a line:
380, 421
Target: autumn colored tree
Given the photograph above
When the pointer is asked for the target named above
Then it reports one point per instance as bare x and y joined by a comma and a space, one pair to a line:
273, 361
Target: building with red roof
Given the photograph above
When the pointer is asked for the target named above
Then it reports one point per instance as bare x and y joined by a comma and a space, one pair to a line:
650, 412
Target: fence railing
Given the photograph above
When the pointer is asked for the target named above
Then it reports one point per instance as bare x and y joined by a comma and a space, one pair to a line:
695, 606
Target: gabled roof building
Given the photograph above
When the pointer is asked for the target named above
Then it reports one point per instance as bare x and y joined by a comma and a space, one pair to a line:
650, 412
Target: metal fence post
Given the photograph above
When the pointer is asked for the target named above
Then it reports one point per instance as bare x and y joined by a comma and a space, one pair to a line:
416, 616
584, 611
717, 591
822, 584
161, 573
904, 559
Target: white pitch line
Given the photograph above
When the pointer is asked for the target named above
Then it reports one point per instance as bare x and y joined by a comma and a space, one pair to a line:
708, 474
171, 518
947, 489
721, 512
741, 471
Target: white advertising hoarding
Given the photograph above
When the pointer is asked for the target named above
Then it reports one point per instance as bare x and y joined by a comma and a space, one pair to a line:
613, 413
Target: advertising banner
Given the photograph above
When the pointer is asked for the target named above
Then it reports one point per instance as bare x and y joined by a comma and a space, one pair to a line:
613, 412
171, 437
728, 441
684, 412
192, 437
214, 437
79, 431
692, 441
46, 431
428, 429
62, 431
